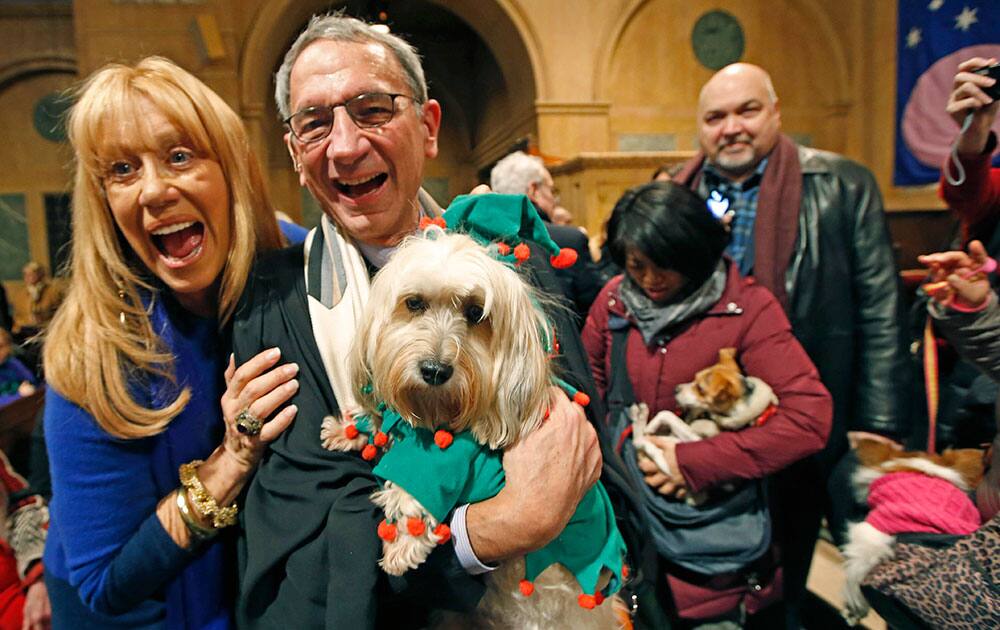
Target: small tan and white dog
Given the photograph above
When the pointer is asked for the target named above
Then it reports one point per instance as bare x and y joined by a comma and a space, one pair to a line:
720, 398
452, 338
907, 491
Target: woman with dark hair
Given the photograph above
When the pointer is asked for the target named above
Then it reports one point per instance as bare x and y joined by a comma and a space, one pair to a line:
677, 304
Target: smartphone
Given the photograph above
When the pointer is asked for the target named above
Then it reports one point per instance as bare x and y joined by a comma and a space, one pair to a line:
992, 72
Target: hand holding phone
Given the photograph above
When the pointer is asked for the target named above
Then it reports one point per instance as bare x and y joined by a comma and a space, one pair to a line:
992, 72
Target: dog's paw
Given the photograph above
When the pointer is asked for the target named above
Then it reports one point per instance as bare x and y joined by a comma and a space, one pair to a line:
855, 609
407, 551
413, 532
337, 435
638, 413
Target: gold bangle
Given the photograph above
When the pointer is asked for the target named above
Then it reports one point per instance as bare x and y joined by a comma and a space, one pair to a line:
202, 500
198, 532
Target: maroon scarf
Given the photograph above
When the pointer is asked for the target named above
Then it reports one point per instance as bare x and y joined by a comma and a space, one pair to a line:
776, 225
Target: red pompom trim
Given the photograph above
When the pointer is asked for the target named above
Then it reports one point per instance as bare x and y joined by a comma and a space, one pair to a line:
368, 452
387, 531
415, 526
380, 439
503, 249
586, 601
443, 439
521, 253
599, 598
351, 431
566, 258
581, 399
625, 571
443, 532
426, 222
527, 588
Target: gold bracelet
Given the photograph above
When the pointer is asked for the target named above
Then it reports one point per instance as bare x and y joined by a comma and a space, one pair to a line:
202, 500
198, 532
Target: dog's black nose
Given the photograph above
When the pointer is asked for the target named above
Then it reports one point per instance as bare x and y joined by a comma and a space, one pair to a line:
435, 372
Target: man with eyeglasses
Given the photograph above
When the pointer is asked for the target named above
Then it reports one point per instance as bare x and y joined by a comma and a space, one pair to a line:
521, 174
360, 127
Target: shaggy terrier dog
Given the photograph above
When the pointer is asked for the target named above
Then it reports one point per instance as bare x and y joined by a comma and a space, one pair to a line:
454, 345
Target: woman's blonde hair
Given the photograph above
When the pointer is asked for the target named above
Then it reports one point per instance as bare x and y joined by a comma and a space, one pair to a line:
101, 337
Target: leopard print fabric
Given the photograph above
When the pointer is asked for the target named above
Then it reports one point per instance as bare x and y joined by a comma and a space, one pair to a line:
955, 588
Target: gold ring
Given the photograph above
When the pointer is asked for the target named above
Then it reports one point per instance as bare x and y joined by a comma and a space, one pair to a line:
247, 423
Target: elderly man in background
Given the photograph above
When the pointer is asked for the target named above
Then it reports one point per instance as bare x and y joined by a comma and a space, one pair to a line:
523, 174
43, 299
360, 128
809, 225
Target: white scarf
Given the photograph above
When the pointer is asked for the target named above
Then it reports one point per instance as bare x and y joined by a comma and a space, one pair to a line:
349, 294
337, 299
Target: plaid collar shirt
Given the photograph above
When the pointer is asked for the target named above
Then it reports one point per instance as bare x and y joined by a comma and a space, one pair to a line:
742, 198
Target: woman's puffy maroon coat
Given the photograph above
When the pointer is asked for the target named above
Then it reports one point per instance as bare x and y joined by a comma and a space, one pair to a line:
748, 318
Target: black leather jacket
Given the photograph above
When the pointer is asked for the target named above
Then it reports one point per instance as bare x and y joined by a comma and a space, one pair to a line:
845, 299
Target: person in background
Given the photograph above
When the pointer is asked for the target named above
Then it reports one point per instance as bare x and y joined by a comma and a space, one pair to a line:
6, 322
44, 297
562, 216
16, 380
24, 602
808, 225
292, 231
679, 303
169, 213
523, 174
976, 199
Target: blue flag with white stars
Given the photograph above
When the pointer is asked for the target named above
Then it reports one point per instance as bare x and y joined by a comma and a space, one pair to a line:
934, 37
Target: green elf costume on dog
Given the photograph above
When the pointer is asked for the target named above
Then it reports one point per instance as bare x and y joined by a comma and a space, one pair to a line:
455, 469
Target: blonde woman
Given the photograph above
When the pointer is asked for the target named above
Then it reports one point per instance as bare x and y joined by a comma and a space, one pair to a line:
169, 212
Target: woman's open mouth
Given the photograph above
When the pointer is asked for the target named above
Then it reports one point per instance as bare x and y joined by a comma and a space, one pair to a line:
360, 187
180, 242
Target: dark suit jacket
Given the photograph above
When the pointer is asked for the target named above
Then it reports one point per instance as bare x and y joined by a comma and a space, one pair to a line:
580, 283
308, 533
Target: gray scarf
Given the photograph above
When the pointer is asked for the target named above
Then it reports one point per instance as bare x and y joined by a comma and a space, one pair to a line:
654, 319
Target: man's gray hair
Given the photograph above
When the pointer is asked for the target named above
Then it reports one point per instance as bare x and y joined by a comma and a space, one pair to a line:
514, 173
340, 28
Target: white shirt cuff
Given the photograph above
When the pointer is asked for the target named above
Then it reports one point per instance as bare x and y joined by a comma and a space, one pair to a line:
463, 548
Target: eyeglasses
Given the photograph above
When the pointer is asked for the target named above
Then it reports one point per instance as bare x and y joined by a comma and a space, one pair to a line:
369, 110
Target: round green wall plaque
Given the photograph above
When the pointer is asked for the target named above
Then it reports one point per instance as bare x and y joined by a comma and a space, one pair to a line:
717, 39
50, 116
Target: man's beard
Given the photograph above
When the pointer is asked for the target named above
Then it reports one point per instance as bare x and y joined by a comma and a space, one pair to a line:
736, 165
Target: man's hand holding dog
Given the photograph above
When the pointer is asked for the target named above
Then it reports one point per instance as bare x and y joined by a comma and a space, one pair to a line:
548, 472
672, 485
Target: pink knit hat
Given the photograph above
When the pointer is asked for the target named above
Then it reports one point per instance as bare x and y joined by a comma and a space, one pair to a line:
915, 502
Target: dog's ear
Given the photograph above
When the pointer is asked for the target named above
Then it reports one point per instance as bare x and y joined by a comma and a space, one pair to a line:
521, 366
968, 462
872, 453
722, 389
727, 358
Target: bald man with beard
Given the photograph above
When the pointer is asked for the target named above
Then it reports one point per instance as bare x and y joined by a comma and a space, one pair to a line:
810, 226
